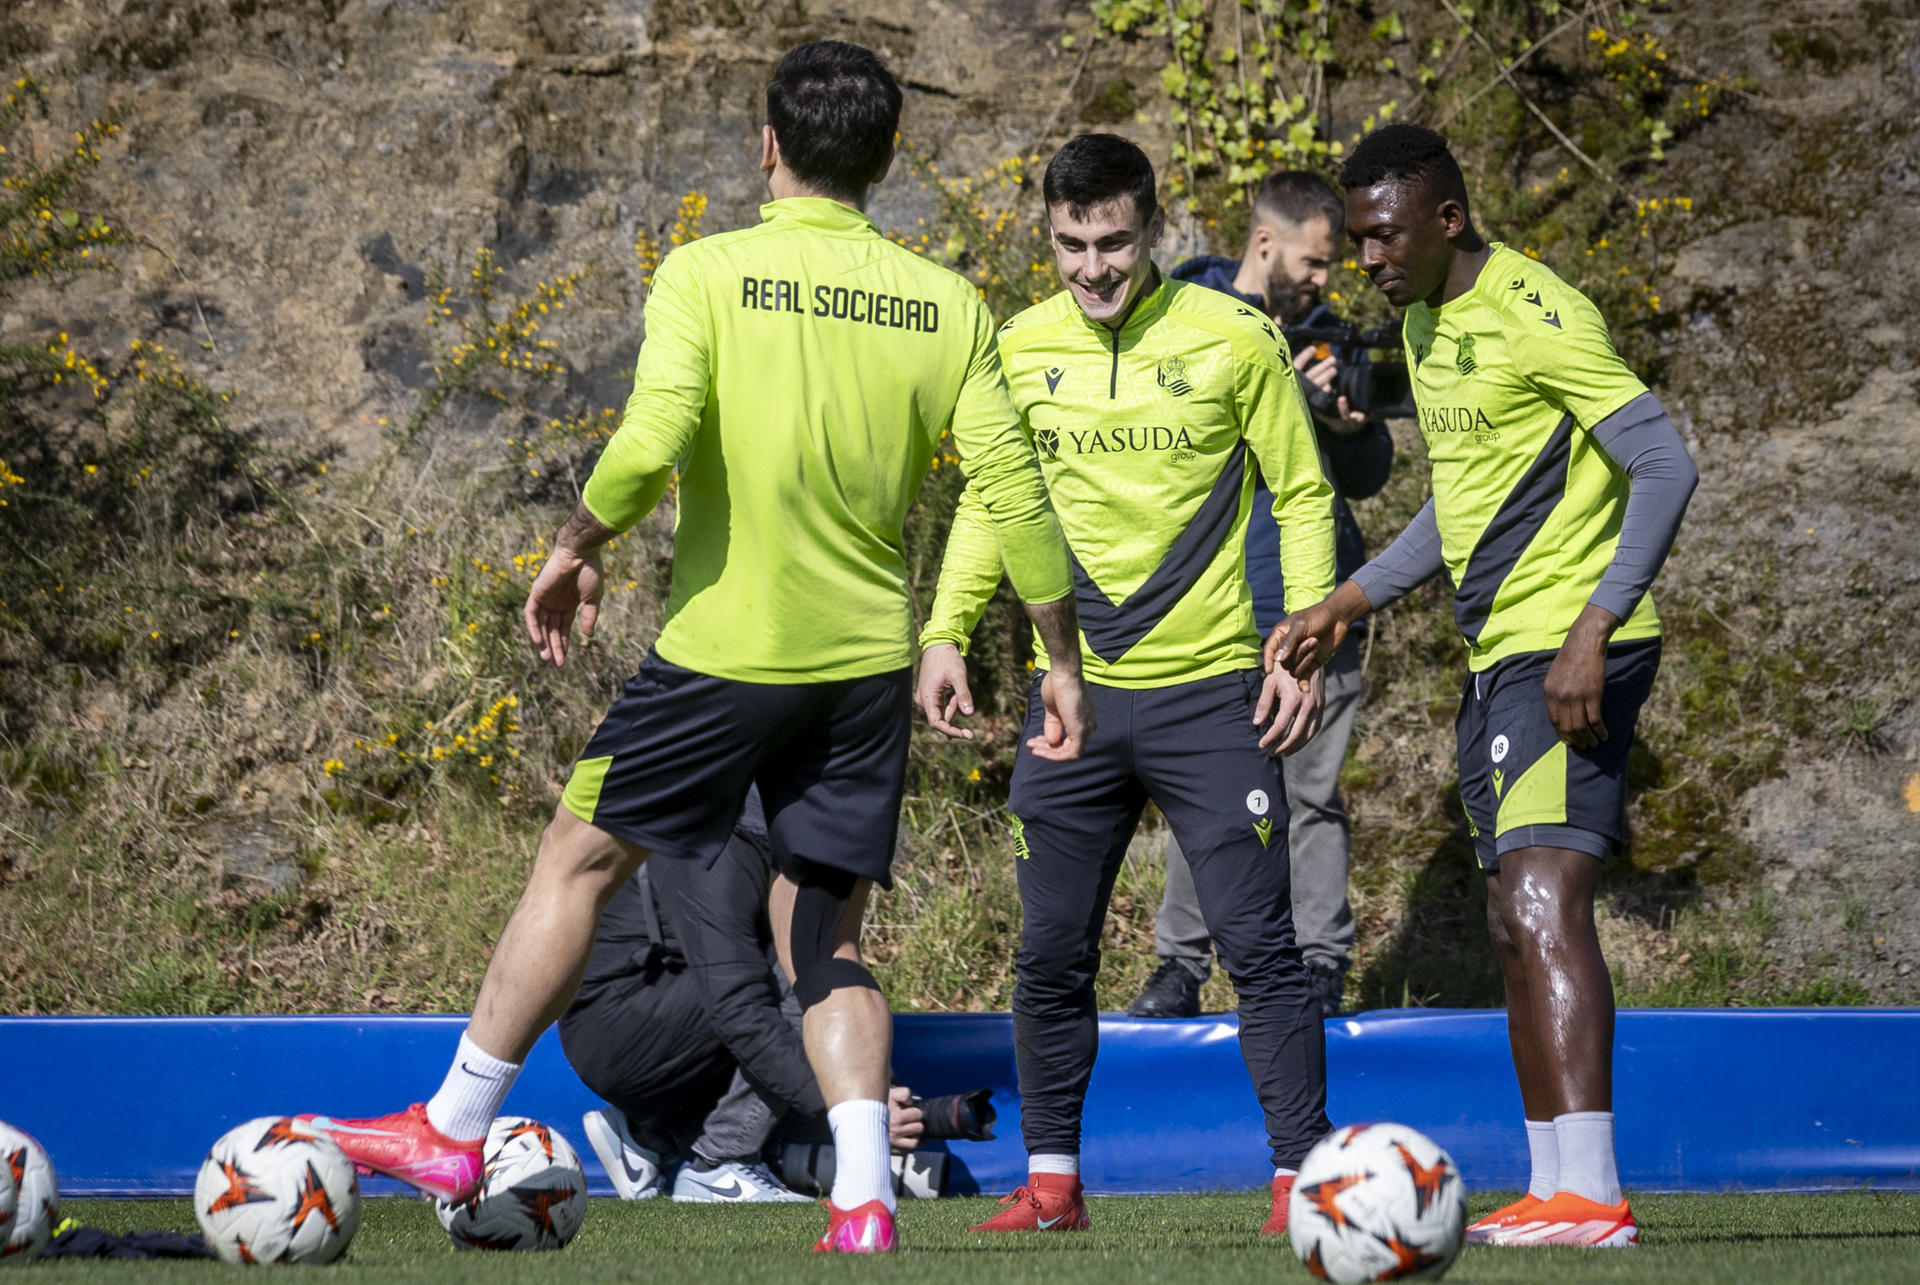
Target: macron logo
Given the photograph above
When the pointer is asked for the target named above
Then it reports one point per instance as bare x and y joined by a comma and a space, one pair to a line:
1053, 378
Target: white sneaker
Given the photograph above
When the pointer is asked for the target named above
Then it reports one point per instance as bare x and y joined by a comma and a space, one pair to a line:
635, 1171
732, 1183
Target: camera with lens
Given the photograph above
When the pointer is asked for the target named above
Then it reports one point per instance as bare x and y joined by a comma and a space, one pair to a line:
1373, 374
966, 1116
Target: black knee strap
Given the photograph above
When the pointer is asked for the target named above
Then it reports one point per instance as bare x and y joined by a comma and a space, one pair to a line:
830, 975
820, 900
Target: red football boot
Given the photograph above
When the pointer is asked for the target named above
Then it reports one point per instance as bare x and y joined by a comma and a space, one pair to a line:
1277, 1218
1049, 1202
405, 1145
866, 1230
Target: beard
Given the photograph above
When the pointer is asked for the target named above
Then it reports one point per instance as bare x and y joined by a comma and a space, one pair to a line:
1291, 301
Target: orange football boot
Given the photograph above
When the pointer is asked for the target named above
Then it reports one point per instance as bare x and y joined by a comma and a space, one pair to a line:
1566, 1219
1481, 1232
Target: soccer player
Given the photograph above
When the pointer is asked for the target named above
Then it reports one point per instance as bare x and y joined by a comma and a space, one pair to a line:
797, 376
1152, 402
1558, 485
1298, 223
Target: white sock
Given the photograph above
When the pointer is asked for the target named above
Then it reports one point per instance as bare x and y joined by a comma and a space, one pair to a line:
1587, 1168
1543, 1148
1286, 1173
471, 1095
860, 1169
1054, 1164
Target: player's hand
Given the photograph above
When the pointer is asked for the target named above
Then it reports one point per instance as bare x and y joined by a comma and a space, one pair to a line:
1069, 718
1296, 705
1352, 418
905, 1121
1304, 641
568, 586
1577, 678
943, 692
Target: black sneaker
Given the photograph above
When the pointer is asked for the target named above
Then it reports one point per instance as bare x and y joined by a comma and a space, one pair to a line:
1329, 982
1172, 991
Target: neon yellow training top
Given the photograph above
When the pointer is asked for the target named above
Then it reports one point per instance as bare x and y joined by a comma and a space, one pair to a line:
1148, 438
1510, 379
799, 374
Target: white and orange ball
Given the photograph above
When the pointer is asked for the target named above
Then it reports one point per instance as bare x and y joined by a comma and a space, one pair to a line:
1377, 1202
36, 1198
274, 1190
533, 1194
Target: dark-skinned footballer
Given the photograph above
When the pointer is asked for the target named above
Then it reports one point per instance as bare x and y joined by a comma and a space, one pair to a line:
1558, 485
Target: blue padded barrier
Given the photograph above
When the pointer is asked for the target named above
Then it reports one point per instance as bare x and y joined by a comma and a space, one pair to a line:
1708, 1100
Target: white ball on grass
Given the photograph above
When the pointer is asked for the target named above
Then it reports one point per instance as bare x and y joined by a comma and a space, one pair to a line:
1377, 1202
273, 1190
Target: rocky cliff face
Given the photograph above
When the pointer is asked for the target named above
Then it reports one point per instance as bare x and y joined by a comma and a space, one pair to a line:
1795, 366
299, 164
295, 167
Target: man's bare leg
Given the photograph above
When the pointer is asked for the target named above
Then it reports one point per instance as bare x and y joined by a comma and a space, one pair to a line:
1561, 1019
848, 1032
535, 971
542, 952
1543, 1152
1527, 1066
849, 1035
536, 968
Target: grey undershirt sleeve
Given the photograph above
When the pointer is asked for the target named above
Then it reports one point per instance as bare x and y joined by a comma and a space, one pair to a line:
1406, 564
1641, 439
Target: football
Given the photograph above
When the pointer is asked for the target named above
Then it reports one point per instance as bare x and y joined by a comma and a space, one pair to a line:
7, 1201
532, 1195
36, 1198
1377, 1202
274, 1191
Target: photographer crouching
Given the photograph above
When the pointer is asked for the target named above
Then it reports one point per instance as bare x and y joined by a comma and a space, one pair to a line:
685, 1024
1298, 225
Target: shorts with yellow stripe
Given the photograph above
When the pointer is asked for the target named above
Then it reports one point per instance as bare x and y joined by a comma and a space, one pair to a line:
1522, 786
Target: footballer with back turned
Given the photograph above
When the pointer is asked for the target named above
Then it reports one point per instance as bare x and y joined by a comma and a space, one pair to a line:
1559, 483
796, 376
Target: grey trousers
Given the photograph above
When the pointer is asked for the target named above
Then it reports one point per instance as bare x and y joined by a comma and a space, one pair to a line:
1318, 840
741, 1121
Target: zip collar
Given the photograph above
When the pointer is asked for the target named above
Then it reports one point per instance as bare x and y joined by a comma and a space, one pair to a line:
1141, 313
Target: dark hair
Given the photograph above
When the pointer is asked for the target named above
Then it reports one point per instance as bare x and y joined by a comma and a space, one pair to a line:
1407, 153
1094, 169
1299, 196
835, 109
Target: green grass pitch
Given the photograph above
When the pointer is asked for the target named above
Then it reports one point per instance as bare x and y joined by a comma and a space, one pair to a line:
1738, 1239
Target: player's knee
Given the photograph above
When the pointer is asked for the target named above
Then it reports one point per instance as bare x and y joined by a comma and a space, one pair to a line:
1052, 971
579, 852
820, 901
1497, 927
820, 980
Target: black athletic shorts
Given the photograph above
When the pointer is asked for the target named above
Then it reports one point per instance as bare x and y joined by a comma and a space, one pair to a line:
1523, 787
669, 766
